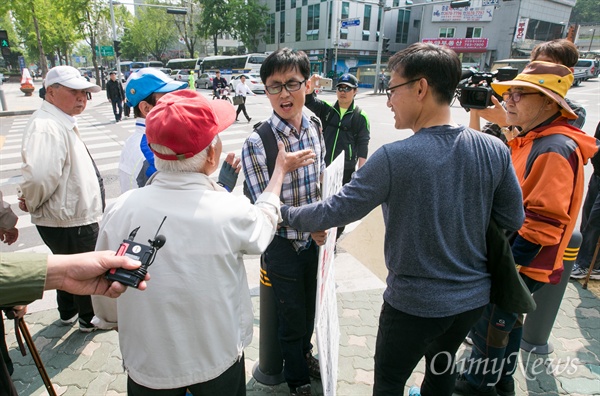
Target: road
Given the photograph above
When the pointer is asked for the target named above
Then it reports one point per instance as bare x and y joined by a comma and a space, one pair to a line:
104, 139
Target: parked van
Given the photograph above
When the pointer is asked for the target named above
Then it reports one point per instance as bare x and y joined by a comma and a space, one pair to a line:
588, 66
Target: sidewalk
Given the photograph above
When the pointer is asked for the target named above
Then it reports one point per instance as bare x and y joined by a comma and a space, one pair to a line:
16, 101
90, 364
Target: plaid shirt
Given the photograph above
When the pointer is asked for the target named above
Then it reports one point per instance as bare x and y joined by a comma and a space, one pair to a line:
301, 186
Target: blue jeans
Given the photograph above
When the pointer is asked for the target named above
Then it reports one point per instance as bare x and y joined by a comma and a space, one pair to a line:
403, 339
496, 341
590, 224
293, 276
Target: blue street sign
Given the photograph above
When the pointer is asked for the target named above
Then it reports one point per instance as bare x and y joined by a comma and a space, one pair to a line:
350, 22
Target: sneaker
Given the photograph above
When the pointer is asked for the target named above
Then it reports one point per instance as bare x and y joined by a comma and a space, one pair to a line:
69, 321
463, 387
505, 388
595, 274
578, 273
314, 369
304, 390
86, 327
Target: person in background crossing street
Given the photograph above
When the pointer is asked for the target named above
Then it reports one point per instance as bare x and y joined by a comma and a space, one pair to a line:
115, 95
143, 89
62, 188
242, 90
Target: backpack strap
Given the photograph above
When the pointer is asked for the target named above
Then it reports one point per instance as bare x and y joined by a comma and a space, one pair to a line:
269, 142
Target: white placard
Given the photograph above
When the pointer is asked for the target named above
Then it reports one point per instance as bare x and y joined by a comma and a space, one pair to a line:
327, 323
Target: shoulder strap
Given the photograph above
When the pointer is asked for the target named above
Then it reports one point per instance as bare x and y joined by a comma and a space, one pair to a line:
269, 143
355, 113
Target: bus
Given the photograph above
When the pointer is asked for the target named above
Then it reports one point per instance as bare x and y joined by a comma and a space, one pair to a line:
233, 65
128, 66
366, 74
182, 64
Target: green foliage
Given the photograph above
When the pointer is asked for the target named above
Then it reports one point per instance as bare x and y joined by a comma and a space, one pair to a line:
586, 11
150, 34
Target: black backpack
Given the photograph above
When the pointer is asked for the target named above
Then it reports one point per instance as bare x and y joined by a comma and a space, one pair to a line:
269, 142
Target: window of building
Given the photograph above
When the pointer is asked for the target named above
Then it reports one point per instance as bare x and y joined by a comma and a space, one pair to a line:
298, 24
344, 33
282, 27
292, 3
279, 5
396, 3
367, 23
330, 16
270, 36
312, 22
378, 23
417, 23
304, 2
474, 32
447, 32
402, 26
543, 31
345, 9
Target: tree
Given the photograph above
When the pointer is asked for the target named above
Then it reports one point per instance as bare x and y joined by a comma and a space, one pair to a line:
586, 11
151, 33
250, 18
186, 27
216, 19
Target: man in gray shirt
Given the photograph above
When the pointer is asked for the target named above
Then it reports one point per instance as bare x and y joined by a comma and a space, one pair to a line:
438, 190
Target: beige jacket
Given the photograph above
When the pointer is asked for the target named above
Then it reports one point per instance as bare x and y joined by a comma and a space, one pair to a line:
60, 184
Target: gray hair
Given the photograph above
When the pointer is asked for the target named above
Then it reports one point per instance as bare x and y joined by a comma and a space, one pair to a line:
188, 165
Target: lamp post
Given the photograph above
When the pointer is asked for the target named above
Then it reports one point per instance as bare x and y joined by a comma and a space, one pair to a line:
279, 35
592, 40
114, 32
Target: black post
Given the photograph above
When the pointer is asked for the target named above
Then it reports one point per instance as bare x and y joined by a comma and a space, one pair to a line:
539, 323
269, 368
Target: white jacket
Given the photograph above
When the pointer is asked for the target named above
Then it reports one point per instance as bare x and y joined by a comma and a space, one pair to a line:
60, 184
132, 158
195, 318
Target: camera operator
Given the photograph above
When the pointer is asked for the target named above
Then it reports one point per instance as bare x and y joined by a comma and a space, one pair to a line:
548, 155
560, 51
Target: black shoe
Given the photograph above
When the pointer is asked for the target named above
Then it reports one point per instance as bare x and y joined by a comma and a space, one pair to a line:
86, 327
314, 369
463, 387
249, 119
506, 388
304, 390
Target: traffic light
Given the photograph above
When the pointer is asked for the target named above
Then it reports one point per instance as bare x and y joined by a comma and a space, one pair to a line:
386, 44
4, 43
460, 4
117, 46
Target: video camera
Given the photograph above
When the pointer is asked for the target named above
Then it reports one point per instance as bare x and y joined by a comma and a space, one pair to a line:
475, 90
137, 251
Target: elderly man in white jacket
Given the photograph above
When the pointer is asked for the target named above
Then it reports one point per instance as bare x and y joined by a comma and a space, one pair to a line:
189, 329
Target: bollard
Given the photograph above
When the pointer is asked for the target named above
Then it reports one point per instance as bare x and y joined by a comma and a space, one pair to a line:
269, 368
2, 99
539, 323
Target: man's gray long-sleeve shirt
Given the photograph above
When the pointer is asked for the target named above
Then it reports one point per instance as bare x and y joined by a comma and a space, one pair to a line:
437, 189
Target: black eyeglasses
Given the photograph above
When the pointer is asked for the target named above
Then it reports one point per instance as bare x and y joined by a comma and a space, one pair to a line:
344, 88
389, 90
290, 86
516, 96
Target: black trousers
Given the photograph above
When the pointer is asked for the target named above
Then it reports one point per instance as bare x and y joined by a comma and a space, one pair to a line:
231, 383
403, 339
242, 107
69, 241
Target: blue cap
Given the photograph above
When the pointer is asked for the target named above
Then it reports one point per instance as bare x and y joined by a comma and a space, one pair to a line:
147, 81
349, 80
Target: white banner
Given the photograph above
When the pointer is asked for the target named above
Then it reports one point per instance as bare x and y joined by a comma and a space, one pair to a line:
327, 323
521, 30
444, 13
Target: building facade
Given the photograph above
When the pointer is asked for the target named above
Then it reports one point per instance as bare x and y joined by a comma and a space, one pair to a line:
341, 34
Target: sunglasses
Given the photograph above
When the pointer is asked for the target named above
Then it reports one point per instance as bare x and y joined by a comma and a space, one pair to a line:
344, 88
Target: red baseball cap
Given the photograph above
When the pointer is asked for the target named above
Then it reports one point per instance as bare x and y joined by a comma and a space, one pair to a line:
186, 122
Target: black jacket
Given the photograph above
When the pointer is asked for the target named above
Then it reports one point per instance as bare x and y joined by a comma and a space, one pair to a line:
351, 133
114, 90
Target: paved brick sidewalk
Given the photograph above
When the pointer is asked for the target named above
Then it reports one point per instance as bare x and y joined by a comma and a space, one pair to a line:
90, 364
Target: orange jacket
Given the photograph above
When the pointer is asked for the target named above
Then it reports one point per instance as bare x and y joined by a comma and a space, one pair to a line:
549, 164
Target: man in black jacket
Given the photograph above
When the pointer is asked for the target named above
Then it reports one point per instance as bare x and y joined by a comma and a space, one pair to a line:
115, 94
218, 83
345, 126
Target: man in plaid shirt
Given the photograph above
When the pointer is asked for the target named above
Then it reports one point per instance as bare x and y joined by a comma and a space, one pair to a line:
291, 259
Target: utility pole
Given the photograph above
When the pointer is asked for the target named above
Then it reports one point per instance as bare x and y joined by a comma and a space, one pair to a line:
114, 33
380, 44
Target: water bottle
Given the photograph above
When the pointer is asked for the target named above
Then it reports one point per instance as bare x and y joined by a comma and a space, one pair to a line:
414, 391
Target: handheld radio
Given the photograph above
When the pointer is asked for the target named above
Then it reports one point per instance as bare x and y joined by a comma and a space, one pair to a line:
137, 251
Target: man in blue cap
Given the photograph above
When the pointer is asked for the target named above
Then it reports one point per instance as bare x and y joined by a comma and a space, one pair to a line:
143, 89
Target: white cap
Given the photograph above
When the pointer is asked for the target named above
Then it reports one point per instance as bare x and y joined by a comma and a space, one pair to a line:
69, 77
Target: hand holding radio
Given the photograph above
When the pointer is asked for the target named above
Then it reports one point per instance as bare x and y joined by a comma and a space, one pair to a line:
137, 251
